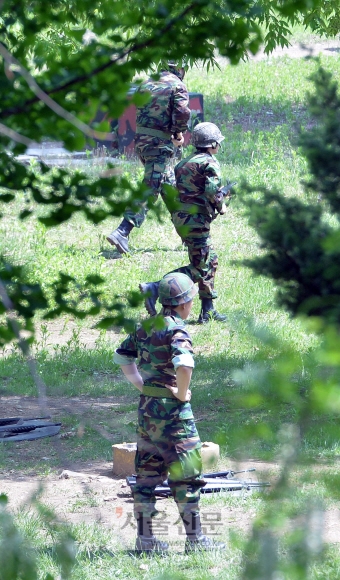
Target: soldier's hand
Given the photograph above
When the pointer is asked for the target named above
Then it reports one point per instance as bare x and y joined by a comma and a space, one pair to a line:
177, 139
174, 390
223, 209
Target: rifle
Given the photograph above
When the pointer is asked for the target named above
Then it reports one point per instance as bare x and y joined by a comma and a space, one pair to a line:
20, 429
227, 189
227, 195
212, 482
226, 474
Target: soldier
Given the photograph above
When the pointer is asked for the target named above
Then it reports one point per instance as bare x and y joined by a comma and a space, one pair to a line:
167, 438
200, 200
160, 127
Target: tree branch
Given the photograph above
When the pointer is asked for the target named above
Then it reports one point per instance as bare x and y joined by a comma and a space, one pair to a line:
14, 135
138, 46
42, 96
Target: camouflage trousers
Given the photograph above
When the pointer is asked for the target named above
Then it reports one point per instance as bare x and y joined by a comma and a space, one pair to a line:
158, 169
168, 447
194, 229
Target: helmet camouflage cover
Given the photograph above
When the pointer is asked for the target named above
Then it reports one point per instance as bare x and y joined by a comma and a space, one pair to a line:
177, 67
175, 289
206, 135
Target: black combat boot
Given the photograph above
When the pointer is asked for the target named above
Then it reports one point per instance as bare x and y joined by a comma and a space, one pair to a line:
196, 540
209, 313
150, 289
146, 543
120, 237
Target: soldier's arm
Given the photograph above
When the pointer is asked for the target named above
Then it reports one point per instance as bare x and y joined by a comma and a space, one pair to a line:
125, 356
213, 185
183, 378
132, 375
180, 111
183, 362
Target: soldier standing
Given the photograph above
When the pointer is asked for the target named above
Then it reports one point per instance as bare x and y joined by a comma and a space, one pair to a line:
160, 127
167, 438
200, 200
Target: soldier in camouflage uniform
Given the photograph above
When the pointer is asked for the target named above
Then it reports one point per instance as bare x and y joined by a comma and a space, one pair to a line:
168, 443
200, 200
160, 127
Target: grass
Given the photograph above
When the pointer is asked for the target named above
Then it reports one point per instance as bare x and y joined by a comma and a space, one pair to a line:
260, 107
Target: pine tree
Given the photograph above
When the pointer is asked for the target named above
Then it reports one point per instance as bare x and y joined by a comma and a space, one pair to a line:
301, 245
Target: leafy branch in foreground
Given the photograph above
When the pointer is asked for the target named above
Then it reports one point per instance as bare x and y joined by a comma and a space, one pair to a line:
300, 252
300, 241
18, 558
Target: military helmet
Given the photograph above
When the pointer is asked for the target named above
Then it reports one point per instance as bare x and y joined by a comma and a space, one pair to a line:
175, 289
206, 135
177, 67
178, 63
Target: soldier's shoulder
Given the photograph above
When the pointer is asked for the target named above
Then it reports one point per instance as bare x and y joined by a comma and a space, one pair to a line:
199, 158
151, 83
214, 162
174, 80
178, 327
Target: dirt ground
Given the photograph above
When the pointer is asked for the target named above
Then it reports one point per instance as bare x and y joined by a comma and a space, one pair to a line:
89, 492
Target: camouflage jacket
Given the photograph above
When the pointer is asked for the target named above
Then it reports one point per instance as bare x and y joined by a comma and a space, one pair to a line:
168, 109
198, 180
158, 352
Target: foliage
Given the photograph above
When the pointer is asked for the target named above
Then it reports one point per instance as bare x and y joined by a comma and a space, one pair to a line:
324, 18
18, 559
279, 18
301, 245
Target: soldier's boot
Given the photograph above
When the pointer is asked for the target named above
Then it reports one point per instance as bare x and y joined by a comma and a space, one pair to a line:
209, 313
146, 542
120, 237
150, 289
196, 540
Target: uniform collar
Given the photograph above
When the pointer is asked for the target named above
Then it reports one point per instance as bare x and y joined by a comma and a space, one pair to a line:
206, 152
168, 311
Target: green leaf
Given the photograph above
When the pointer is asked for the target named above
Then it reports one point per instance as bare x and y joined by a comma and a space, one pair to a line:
105, 323
3, 499
139, 99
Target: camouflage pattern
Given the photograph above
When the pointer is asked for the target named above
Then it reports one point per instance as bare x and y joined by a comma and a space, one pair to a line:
175, 289
158, 169
168, 444
167, 111
206, 135
198, 180
155, 349
203, 262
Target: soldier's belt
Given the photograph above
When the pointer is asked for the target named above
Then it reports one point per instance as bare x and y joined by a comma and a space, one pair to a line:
158, 392
152, 132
